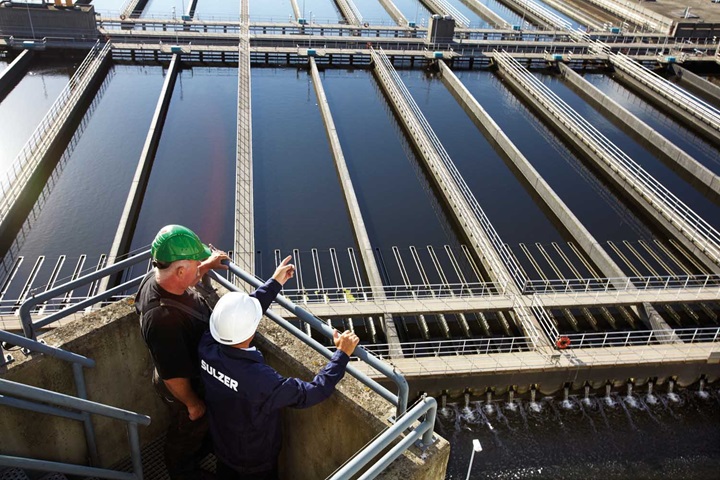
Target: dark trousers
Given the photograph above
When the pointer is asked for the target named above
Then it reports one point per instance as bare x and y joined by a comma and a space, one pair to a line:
186, 442
225, 472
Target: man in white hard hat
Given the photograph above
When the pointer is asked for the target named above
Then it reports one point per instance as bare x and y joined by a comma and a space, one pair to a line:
245, 396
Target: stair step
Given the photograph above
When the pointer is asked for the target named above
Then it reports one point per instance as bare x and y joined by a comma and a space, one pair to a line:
13, 474
18, 474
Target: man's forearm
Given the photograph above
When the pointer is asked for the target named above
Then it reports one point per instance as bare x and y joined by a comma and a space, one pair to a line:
182, 390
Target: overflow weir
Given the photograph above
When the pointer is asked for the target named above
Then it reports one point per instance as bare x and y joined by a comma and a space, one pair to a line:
474, 314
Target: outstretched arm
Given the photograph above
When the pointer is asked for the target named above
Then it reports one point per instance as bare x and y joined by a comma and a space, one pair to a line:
293, 392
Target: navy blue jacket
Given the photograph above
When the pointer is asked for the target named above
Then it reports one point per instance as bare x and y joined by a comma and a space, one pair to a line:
244, 398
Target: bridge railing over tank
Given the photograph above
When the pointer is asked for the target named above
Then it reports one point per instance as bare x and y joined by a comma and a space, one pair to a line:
28, 158
634, 285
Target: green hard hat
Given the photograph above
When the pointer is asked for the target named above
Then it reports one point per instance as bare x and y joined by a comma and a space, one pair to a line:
175, 242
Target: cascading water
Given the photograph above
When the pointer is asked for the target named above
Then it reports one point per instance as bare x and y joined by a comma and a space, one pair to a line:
650, 398
701, 388
566, 398
554, 442
608, 398
671, 394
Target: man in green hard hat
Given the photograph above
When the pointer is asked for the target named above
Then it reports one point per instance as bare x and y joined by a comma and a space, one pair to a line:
173, 317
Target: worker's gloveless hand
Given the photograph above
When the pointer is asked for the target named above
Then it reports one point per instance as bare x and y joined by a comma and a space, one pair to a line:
284, 271
346, 341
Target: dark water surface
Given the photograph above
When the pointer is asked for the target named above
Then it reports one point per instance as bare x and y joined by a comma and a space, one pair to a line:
83, 203
685, 192
373, 12
399, 206
512, 211
665, 125
666, 436
193, 177
24, 107
606, 217
298, 201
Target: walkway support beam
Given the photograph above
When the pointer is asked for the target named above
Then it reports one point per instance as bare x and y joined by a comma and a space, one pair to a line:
464, 207
131, 211
356, 218
663, 148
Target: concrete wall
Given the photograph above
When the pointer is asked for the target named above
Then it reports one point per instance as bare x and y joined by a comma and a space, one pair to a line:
121, 378
549, 381
14, 72
317, 440
707, 182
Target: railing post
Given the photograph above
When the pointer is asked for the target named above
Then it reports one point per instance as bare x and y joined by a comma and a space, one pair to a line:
87, 421
135, 450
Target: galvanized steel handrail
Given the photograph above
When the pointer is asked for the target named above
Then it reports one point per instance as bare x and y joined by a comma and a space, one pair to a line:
423, 432
689, 223
28, 158
552, 19
34, 394
643, 337
668, 90
324, 329
622, 284
29, 304
35, 346
470, 346
456, 14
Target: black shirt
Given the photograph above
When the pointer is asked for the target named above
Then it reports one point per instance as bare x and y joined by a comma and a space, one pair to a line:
171, 334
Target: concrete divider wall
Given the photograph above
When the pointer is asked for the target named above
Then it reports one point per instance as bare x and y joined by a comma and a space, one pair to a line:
316, 440
709, 90
668, 152
705, 130
14, 72
562, 213
650, 212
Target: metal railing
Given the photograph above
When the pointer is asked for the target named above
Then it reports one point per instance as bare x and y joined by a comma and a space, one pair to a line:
658, 197
29, 157
643, 337
470, 346
552, 19
30, 327
668, 90
454, 12
43, 401
427, 407
634, 285
405, 419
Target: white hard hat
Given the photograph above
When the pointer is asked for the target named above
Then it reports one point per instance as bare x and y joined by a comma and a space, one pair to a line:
235, 318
